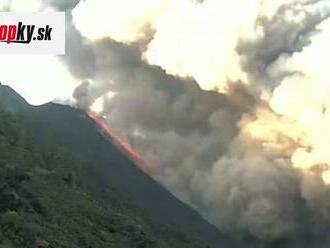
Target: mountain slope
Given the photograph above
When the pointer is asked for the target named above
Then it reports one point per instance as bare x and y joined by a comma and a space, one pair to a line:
47, 200
69, 128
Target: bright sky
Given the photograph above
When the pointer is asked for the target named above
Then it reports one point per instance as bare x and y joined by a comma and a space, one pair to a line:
38, 78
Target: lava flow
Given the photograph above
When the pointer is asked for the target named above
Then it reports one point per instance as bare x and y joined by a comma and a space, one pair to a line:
122, 145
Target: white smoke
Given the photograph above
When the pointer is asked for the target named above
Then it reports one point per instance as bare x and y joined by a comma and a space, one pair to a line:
252, 175
125, 21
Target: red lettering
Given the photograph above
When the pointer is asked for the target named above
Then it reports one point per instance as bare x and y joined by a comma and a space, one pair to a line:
3, 32
11, 33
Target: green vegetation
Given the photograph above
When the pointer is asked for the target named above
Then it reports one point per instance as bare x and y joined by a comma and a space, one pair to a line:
48, 198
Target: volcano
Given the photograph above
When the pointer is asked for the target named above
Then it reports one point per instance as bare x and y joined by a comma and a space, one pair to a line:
73, 130
121, 145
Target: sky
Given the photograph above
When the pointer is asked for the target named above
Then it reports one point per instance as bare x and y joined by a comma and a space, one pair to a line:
38, 78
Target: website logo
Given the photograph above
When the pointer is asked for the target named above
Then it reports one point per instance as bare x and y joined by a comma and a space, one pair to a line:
32, 33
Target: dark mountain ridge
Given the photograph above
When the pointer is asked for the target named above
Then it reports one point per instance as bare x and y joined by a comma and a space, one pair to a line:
69, 128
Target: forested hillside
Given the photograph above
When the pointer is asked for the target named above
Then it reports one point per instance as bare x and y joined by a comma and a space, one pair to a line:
48, 198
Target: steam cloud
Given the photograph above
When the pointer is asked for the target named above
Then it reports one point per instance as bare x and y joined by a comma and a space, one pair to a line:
229, 100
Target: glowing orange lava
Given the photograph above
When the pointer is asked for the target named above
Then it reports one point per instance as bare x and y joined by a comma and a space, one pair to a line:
122, 145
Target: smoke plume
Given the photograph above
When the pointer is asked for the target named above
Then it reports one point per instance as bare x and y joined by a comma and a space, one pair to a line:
249, 155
